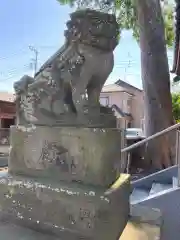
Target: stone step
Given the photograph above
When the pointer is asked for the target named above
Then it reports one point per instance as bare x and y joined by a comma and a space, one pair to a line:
72, 209
158, 187
138, 194
175, 181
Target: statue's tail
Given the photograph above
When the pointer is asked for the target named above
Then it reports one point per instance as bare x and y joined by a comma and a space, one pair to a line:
51, 59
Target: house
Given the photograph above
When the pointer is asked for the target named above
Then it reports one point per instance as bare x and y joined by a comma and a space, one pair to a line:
7, 115
7, 109
175, 87
127, 103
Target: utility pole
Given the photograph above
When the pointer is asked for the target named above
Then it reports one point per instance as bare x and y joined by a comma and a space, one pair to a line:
35, 59
128, 66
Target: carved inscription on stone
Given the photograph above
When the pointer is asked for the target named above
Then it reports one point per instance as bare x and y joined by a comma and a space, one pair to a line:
53, 154
86, 217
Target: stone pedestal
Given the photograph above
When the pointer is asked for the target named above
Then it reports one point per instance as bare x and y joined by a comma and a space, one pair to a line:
73, 211
86, 155
57, 179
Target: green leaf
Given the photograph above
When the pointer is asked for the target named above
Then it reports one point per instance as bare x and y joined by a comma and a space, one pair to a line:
176, 106
126, 14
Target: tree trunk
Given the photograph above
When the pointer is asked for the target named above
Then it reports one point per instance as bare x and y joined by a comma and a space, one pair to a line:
176, 62
156, 82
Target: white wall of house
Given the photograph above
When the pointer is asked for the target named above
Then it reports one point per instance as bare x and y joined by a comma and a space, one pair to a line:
129, 101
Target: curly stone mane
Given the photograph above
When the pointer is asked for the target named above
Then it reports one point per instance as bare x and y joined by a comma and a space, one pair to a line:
93, 28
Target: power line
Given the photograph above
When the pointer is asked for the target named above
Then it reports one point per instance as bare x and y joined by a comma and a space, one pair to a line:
12, 55
11, 75
25, 52
13, 70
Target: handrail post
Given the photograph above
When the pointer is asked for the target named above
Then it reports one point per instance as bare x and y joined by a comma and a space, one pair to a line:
123, 161
150, 138
128, 162
177, 147
177, 155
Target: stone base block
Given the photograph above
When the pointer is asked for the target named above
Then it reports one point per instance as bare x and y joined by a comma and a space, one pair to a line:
72, 210
84, 120
87, 155
13, 232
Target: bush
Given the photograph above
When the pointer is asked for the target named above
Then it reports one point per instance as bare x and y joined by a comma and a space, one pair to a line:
176, 106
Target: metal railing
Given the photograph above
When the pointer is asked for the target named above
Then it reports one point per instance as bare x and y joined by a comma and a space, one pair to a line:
152, 137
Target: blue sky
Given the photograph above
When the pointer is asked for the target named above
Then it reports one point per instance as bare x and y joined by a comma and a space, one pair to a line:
41, 23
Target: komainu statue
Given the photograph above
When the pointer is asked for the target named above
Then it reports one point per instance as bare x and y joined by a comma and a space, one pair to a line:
65, 147
66, 89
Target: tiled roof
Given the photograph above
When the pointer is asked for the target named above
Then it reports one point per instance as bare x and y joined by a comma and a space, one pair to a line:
112, 88
7, 97
120, 112
125, 85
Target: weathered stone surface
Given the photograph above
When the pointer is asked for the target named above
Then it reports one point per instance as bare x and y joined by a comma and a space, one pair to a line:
88, 155
65, 149
10, 231
67, 87
100, 29
60, 208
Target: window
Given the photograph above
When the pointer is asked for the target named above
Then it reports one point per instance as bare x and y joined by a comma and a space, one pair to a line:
129, 125
104, 101
124, 105
118, 123
143, 124
129, 102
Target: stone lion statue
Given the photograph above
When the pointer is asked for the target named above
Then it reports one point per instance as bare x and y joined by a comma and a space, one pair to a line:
66, 88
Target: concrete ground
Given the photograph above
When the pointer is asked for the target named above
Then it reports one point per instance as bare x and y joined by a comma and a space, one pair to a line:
140, 231
144, 224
